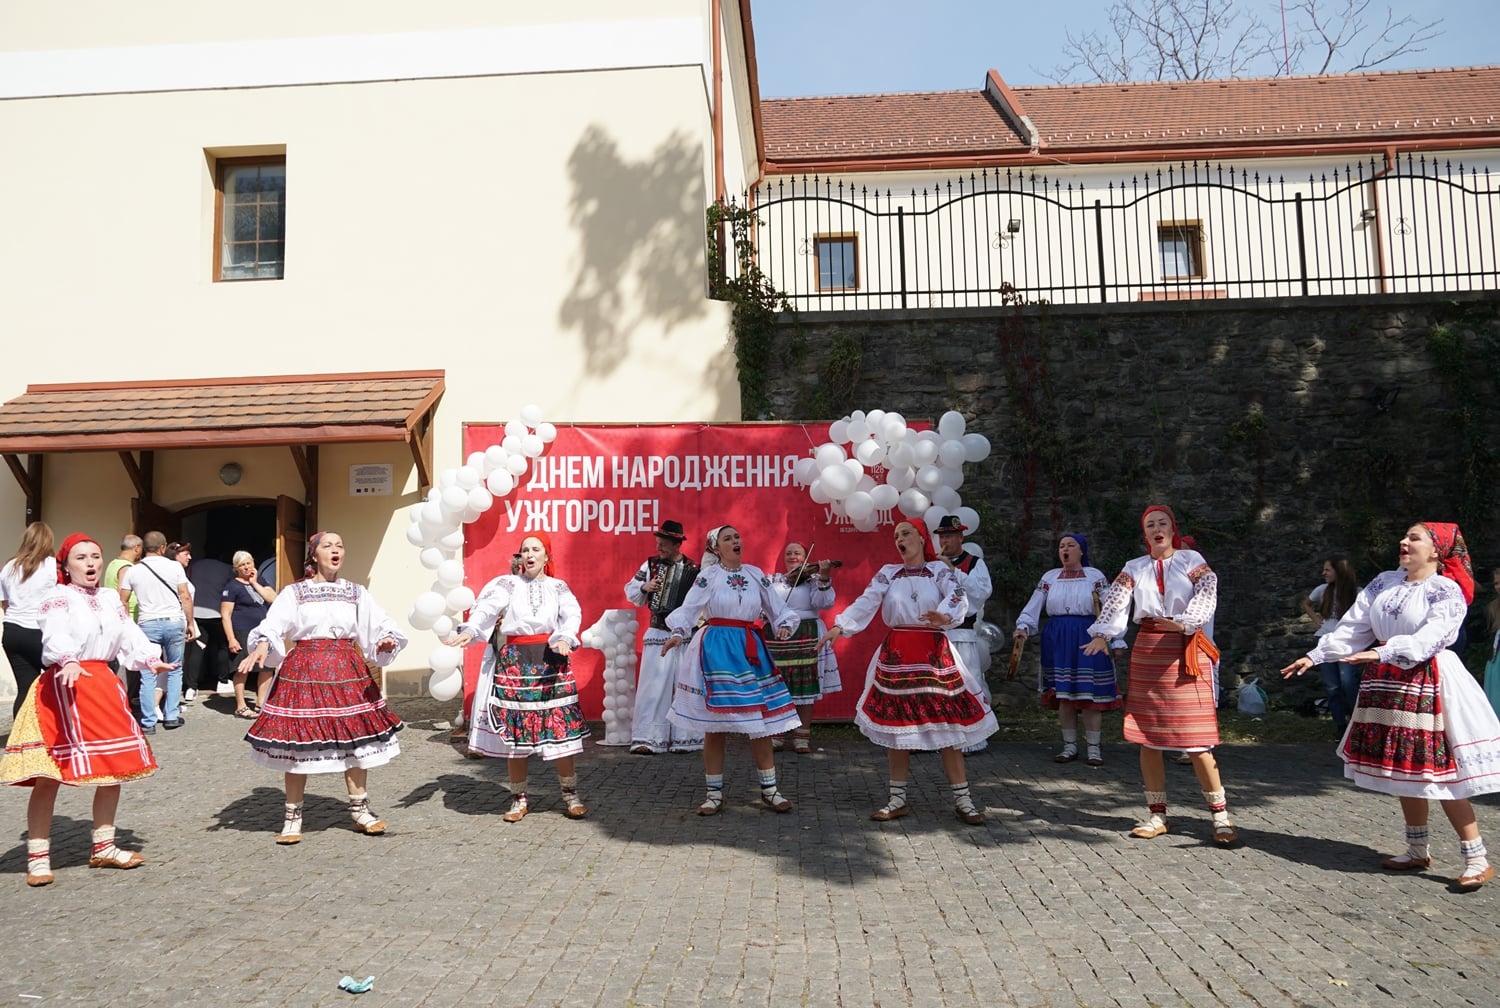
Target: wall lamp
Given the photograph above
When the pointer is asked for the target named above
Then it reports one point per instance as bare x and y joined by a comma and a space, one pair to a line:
1013, 225
1368, 215
230, 473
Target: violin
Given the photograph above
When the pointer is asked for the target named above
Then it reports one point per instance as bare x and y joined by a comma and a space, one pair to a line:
807, 571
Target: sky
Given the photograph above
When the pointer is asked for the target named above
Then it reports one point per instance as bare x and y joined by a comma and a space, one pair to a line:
824, 47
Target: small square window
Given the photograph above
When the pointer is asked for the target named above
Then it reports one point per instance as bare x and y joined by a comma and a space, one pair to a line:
249, 218
1180, 248
838, 262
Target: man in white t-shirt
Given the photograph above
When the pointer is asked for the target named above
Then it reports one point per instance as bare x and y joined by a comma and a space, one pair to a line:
165, 606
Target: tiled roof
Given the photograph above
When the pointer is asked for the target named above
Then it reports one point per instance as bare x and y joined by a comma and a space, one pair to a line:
1170, 118
273, 410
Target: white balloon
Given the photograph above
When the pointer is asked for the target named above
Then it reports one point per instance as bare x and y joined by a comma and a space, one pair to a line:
858, 431
817, 493
951, 453
516, 429
951, 425
532, 446
854, 467
433, 517
455, 499
494, 458
432, 559
970, 519
480, 500
893, 429
415, 535
829, 455
469, 516
468, 477
459, 599
901, 456
419, 621
450, 574
885, 496
429, 605
929, 478
838, 432
976, 447
628, 662
858, 414
913, 502
447, 478
516, 464
838, 482
805, 471
415, 511
445, 688
500, 482
837, 507
933, 517
951, 477
511, 443
946, 498
532, 414
924, 452
451, 541
900, 478
871, 453
859, 505
610, 717
445, 658
874, 419
866, 483
866, 524
443, 627
547, 432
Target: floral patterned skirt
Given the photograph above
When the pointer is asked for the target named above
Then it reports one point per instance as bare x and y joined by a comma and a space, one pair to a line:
1423, 732
917, 697
325, 713
529, 705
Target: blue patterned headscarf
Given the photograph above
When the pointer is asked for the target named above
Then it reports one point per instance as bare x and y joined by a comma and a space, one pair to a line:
1083, 545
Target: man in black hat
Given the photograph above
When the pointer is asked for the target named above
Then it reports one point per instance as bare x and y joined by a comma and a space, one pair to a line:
974, 576
661, 583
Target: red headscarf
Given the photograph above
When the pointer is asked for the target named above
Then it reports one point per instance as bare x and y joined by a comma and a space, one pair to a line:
929, 553
67, 547
546, 542
1453, 555
1176, 535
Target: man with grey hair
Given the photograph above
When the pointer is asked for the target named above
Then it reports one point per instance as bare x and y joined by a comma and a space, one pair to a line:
160, 586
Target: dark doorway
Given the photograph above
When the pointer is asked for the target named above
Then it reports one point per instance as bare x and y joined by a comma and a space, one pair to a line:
219, 530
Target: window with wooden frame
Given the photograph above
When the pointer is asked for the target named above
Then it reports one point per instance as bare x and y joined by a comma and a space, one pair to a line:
250, 218
838, 261
1179, 246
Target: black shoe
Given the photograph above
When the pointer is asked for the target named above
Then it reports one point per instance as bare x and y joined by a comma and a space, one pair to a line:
148, 731
169, 725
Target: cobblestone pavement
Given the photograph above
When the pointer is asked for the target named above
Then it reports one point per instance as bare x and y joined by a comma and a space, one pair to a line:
645, 903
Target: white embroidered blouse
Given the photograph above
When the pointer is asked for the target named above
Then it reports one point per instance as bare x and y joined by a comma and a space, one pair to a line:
1187, 592
1414, 620
543, 605
327, 610
90, 624
902, 594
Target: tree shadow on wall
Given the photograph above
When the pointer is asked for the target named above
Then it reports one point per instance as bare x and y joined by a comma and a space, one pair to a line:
641, 243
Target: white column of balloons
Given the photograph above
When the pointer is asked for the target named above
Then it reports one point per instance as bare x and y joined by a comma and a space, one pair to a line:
437, 529
922, 470
614, 635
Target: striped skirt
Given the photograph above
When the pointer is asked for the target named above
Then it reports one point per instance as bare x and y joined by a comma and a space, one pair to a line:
917, 696
82, 734
529, 704
1423, 732
325, 714
1069, 674
727, 683
1166, 708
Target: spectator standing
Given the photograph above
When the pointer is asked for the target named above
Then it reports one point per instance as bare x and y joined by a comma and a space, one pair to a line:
24, 580
160, 586
207, 576
242, 605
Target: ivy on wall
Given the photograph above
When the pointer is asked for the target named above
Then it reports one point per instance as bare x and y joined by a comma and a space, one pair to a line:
754, 299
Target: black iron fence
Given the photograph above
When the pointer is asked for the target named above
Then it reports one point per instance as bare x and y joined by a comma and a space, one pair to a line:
1187, 231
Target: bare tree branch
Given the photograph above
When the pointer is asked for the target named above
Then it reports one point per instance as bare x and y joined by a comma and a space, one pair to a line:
1216, 39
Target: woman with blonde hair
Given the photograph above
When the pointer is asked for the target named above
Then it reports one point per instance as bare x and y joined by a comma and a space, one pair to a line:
242, 605
24, 580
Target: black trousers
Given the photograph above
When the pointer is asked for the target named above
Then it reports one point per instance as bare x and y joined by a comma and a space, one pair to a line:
23, 649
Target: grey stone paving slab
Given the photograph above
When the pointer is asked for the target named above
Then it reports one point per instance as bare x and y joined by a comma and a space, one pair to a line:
645, 903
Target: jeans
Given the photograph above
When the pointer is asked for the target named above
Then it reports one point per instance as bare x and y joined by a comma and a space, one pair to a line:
1341, 687
171, 635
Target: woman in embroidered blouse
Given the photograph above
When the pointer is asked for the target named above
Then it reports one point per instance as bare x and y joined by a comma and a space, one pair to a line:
1070, 681
25, 579
809, 671
527, 699
1421, 727
1171, 703
242, 604
325, 713
726, 683
918, 694
75, 726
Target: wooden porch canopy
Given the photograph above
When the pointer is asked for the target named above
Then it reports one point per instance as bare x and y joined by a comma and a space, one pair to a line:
300, 412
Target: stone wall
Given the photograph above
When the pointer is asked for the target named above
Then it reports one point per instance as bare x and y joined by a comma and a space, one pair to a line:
1278, 430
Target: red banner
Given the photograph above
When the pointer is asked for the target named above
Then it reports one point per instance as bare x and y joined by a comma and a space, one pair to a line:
601, 491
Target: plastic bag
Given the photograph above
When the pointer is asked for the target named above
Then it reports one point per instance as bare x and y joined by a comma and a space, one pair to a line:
1253, 699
